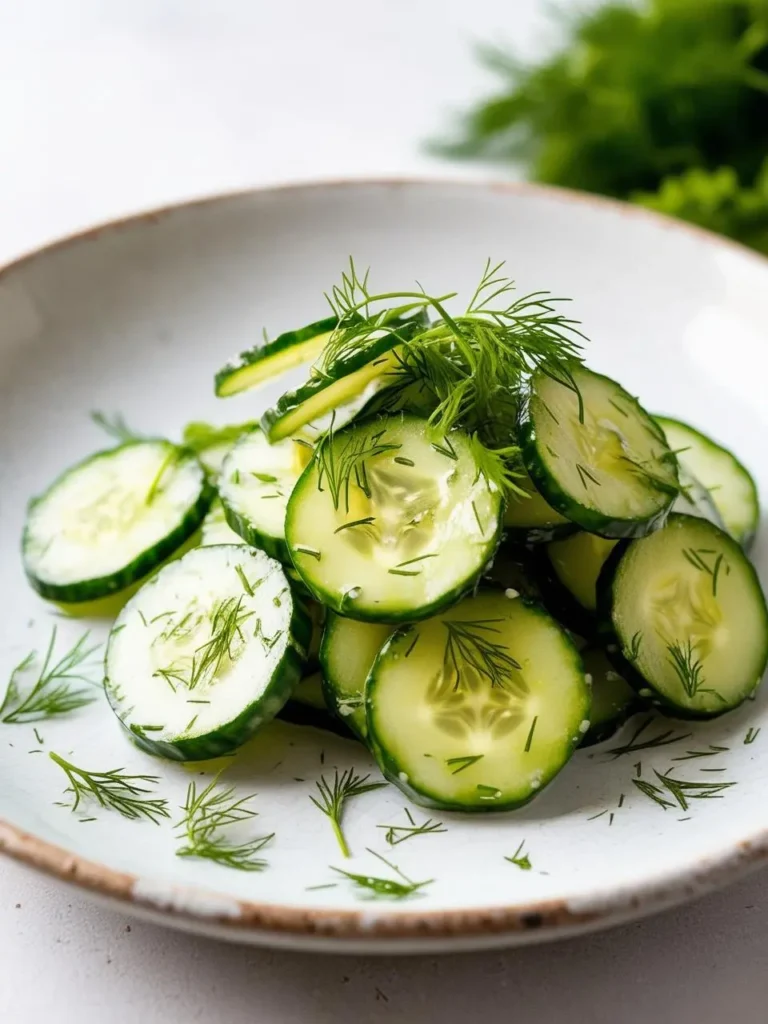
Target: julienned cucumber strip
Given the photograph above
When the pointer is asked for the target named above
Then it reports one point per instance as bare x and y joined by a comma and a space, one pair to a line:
478, 708
613, 699
257, 479
389, 525
113, 518
206, 652
530, 520
360, 371
596, 456
262, 362
689, 617
347, 652
728, 481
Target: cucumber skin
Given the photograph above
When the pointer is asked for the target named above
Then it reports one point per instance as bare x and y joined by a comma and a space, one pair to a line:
261, 353
275, 547
229, 737
137, 570
532, 536
747, 538
560, 602
296, 713
623, 666
332, 374
329, 692
588, 519
390, 768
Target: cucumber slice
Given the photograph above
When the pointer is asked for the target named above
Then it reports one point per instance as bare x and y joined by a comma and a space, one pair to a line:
727, 480
694, 499
530, 520
357, 373
689, 615
596, 456
456, 725
257, 479
386, 526
206, 652
577, 561
216, 529
211, 444
613, 699
262, 362
110, 520
347, 652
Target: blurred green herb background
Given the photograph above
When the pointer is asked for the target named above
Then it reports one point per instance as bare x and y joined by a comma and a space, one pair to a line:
662, 102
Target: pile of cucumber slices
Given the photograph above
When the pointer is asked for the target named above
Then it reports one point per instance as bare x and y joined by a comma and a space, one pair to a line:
454, 543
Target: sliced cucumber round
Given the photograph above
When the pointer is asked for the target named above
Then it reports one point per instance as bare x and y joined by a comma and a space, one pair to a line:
256, 482
356, 373
212, 444
729, 483
307, 706
478, 708
695, 500
386, 525
530, 520
206, 652
113, 518
596, 456
347, 652
613, 699
689, 616
577, 562
215, 528
262, 362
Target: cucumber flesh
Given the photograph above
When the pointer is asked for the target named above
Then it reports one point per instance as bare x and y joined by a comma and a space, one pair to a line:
397, 535
212, 444
215, 528
112, 519
596, 456
206, 652
530, 520
613, 699
728, 481
689, 615
257, 479
577, 562
456, 730
695, 500
347, 652
263, 362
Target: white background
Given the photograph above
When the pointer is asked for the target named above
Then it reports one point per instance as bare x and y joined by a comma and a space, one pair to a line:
112, 106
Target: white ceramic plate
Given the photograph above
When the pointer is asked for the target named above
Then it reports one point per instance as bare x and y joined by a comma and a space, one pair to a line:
135, 318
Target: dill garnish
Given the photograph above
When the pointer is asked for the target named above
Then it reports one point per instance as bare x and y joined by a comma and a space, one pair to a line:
399, 833
661, 740
333, 796
384, 888
206, 814
113, 790
53, 692
520, 859
463, 762
470, 644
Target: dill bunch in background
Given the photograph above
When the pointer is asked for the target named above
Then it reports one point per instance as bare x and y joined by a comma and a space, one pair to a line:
663, 102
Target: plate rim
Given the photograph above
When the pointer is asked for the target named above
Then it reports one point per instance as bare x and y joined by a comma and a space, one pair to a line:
185, 906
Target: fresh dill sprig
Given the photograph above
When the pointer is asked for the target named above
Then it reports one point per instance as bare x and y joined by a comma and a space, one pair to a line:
200, 436
522, 860
713, 751
172, 456
684, 791
476, 363
462, 763
227, 621
53, 692
113, 790
206, 814
116, 427
751, 736
399, 833
661, 740
334, 796
342, 461
696, 557
384, 888
470, 643
689, 669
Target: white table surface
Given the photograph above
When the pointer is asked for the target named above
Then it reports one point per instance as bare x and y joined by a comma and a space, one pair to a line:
112, 106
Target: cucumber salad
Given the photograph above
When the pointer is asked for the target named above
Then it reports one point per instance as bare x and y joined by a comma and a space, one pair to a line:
454, 542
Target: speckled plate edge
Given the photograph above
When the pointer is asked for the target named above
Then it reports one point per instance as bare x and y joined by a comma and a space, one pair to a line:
209, 913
